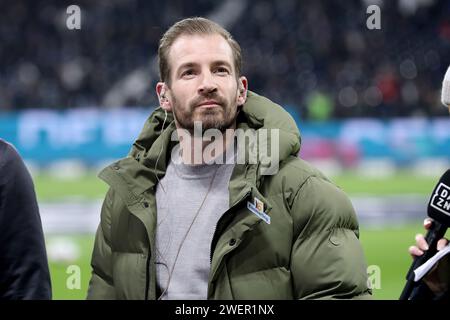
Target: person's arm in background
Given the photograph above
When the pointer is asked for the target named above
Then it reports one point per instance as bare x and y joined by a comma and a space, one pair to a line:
438, 279
24, 272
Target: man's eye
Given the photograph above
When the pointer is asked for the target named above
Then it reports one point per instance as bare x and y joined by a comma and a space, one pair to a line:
187, 73
222, 70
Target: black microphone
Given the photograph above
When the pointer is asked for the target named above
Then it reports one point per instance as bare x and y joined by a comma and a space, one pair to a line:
439, 211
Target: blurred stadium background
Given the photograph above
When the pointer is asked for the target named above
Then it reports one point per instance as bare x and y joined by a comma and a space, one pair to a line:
366, 101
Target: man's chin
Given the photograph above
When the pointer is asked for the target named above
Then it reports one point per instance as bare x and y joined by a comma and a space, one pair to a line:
211, 124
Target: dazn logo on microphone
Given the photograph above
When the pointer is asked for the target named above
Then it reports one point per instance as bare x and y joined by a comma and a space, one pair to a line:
441, 199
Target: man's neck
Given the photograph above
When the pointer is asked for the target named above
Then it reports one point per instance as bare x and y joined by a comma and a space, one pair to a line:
197, 149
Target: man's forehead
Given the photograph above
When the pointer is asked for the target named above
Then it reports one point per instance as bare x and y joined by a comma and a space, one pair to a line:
189, 48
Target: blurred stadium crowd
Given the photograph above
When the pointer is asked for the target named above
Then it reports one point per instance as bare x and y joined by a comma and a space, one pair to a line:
315, 55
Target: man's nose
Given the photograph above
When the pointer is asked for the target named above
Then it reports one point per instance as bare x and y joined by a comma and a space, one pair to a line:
207, 85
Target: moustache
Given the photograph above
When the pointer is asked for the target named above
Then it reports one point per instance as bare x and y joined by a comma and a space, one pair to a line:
202, 99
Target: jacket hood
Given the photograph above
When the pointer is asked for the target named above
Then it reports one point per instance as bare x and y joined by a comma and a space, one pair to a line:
258, 113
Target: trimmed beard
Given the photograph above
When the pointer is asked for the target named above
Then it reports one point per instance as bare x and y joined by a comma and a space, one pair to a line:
209, 118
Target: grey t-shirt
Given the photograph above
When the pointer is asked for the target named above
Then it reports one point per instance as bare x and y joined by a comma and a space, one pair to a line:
183, 189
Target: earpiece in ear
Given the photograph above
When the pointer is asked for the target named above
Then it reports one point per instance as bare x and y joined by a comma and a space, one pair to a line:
163, 94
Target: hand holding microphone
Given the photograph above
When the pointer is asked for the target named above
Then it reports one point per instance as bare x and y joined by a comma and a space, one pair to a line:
439, 211
422, 245
438, 278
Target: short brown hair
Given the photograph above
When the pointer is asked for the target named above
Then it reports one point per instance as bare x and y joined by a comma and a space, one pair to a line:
193, 26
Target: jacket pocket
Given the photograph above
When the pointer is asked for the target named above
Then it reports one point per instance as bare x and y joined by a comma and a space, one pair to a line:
129, 274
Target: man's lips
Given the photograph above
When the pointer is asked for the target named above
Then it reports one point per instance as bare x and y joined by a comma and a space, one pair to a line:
209, 104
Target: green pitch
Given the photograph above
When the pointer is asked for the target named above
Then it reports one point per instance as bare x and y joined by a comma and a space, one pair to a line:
401, 183
87, 187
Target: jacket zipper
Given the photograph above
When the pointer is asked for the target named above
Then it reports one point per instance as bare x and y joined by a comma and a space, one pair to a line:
214, 239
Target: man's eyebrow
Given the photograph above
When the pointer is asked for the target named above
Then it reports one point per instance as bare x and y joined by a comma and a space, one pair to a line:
186, 65
221, 63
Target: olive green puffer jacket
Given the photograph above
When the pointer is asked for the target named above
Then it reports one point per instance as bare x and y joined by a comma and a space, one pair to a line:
310, 249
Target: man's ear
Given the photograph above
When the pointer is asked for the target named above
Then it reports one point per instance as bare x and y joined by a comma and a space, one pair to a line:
164, 101
242, 94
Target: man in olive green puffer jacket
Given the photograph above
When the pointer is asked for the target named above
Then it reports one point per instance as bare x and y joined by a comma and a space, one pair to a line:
172, 228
